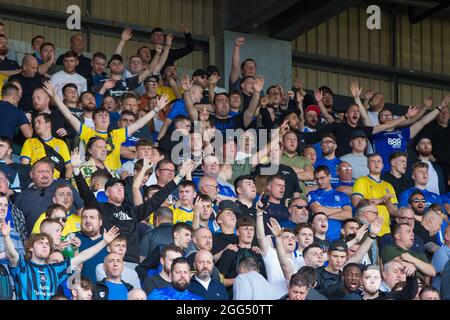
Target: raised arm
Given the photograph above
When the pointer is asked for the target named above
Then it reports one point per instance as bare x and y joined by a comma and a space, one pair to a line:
260, 234
374, 229
137, 195
249, 114
11, 252
319, 96
212, 83
356, 93
165, 54
127, 34
73, 121
236, 60
426, 119
85, 192
286, 264
186, 84
198, 207
85, 255
43, 68
161, 102
412, 112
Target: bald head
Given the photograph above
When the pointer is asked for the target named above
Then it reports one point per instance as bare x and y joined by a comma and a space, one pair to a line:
432, 221
113, 266
204, 264
137, 294
29, 66
406, 215
203, 239
206, 185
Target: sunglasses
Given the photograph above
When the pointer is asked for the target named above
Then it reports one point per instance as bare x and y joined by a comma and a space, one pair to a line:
63, 219
298, 206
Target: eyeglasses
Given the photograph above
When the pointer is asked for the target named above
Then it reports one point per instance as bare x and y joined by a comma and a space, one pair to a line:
298, 206
346, 168
418, 200
374, 212
212, 186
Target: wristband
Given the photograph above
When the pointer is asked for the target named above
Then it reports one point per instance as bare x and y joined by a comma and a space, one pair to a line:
406, 116
439, 108
373, 238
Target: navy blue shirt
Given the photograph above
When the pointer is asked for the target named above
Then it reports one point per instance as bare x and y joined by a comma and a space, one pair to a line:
28, 87
88, 270
10, 119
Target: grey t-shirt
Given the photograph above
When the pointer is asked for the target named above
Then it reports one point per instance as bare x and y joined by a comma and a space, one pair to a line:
359, 164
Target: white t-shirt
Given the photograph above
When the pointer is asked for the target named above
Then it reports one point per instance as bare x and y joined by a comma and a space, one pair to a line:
61, 78
433, 180
274, 273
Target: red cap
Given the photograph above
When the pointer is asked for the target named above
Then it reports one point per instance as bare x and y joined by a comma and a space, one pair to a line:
314, 108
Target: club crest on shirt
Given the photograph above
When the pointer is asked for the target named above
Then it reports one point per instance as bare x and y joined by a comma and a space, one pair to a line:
42, 277
337, 198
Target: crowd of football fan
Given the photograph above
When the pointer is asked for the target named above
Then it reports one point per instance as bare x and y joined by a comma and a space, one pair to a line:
137, 183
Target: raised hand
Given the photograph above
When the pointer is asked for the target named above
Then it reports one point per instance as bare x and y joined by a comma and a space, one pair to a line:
299, 97
61, 132
203, 115
186, 82
368, 95
5, 228
259, 83
275, 227
298, 84
76, 242
110, 235
50, 89
158, 49
127, 34
109, 84
240, 41
318, 95
355, 89
75, 159
186, 167
259, 205
169, 39
198, 206
361, 232
161, 102
184, 28
146, 164
413, 111
375, 226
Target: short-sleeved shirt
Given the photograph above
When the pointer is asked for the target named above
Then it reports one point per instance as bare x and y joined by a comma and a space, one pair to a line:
34, 150
28, 87
387, 142
430, 197
332, 166
10, 119
38, 282
178, 109
330, 199
61, 78
8, 64
240, 168
369, 188
89, 265
233, 123
114, 140
166, 90
117, 291
122, 87
181, 214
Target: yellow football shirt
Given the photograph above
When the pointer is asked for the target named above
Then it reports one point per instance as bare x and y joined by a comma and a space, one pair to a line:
369, 188
113, 142
166, 90
73, 224
181, 214
34, 150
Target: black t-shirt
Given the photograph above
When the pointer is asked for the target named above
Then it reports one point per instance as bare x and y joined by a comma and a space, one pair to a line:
343, 133
291, 180
122, 86
155, 282
8, 64
221, 240
245, 211
399, 184
423, 233
28, 86
440, 146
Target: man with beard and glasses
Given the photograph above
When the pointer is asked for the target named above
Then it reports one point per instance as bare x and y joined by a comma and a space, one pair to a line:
328, 146
180, 273
201, 283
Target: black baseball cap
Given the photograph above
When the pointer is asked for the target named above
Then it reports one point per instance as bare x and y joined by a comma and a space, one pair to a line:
228, 205
338, 245
200, 72
358, 134
115, 57
113, 181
